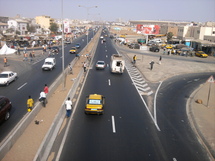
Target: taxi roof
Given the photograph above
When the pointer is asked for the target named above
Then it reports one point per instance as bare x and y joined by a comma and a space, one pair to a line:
95, 96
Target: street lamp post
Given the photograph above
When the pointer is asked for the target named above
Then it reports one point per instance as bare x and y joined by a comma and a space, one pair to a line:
62, 39
87, 8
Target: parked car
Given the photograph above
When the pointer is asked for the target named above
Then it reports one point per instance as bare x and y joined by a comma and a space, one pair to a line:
5, 107
201, 54
154, 48
73, 50
7, 77
134, 46
100, 64
95, 104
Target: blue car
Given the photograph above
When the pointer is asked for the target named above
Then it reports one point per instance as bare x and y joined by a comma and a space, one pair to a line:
78, 46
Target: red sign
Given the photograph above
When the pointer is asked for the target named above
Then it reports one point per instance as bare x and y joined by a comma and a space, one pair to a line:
148, 29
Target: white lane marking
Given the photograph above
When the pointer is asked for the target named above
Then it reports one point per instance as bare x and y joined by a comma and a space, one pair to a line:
109, 82
113, 125
107, 65
155, 108
174, 159
21, 86
106, 56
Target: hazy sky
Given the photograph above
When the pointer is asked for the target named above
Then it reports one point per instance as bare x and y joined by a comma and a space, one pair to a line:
172, 10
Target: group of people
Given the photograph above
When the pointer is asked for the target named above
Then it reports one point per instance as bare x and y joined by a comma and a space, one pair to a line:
42, 97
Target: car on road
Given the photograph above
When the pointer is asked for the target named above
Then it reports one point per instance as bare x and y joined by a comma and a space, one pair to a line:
134, 46
5, 107
73, 50
154, 48
100, 64
201, 54
55, 49
78, 45
49, 64
95, 104
7, 77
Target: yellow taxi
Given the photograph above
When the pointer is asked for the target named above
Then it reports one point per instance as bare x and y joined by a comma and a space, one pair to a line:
169, 46
95, 104
73, 50
201, 54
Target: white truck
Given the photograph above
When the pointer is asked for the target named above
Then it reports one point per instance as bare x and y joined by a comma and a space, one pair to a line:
49, 64
117, 64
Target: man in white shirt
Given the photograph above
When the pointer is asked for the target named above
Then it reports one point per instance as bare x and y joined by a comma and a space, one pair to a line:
68, 105
42, 97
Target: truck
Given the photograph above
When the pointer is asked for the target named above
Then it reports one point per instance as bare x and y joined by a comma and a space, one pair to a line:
117, 64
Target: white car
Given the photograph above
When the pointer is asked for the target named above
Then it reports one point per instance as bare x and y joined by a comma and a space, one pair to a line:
49, 64
100, 64
7, 77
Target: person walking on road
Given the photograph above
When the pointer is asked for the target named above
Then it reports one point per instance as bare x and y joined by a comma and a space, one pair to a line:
160, 60
5, 61
70, 69
151, 64
134, 59
46, 89
30, 104
68, 105
85, 66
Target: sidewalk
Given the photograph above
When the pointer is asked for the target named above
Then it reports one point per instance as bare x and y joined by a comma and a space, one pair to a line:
202, 118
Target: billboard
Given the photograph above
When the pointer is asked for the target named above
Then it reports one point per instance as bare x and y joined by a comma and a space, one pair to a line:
148, 29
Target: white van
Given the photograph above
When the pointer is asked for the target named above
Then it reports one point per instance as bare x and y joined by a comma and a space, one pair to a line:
117, 64
49, 64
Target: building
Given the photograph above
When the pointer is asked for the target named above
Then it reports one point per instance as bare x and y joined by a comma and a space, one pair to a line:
44, 21
18, 25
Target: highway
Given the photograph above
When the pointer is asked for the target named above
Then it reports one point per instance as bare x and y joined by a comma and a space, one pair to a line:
126, 131
31, 80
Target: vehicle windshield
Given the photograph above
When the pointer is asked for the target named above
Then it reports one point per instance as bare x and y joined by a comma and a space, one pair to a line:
94, 102
102, 63
49, 63
3, 75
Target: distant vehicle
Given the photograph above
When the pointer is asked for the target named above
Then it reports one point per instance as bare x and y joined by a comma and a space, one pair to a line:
169, 46
67, 42
7, 77
49, 64
117, 64
95, 104
73, 50
101, 37
100, 64
55, 49
77, 46
134, 46
154, 48
5, 107
201, 54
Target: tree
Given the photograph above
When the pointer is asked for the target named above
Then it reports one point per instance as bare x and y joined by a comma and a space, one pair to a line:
169, 36
53, 27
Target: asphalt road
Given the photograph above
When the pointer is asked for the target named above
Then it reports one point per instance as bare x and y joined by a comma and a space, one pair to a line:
31, 80
126, 131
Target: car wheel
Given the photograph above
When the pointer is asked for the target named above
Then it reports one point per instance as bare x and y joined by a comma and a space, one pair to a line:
15, 78
7, 116
7, 83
